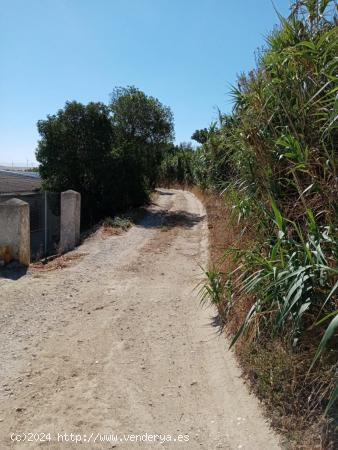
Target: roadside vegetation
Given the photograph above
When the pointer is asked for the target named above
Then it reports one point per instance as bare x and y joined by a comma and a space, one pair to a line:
268, 175
123, 223
116, 225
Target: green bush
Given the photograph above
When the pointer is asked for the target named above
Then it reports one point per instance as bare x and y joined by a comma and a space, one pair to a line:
118, 222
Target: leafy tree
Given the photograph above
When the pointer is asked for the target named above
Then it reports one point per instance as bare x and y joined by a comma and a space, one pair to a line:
200, 136
143, 121
74, 152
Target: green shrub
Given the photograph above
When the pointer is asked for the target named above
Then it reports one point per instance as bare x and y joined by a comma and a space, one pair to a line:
118, 222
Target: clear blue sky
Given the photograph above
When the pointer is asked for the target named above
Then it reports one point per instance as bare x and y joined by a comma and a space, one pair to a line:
184, 52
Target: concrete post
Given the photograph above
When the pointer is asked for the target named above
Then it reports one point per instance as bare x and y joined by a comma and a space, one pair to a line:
70, 220
15, 231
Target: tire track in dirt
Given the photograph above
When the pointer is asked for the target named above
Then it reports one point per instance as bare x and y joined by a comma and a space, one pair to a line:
118, 343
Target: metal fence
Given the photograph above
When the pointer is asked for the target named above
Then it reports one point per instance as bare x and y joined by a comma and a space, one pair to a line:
44, 221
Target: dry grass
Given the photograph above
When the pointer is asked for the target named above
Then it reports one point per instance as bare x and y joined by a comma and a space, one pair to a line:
280, 378
275, 372
224, 232
58, 262
107, 231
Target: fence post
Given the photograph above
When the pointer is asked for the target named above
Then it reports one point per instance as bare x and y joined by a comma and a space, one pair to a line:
70, 220
15, 231
45, 222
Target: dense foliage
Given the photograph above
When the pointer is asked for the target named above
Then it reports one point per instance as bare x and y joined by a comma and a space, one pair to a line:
280, 148
275, 161
111, 154
178, 165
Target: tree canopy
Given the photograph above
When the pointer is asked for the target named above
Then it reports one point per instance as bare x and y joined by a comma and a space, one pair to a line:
145, 126
136, 116
111, 154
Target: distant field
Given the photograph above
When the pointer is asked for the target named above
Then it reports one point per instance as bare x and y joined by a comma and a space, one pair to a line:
11, 182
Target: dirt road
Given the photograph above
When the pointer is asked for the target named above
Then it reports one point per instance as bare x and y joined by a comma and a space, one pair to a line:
118, 344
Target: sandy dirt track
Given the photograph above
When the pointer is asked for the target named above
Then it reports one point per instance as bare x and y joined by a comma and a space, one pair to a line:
118, 343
